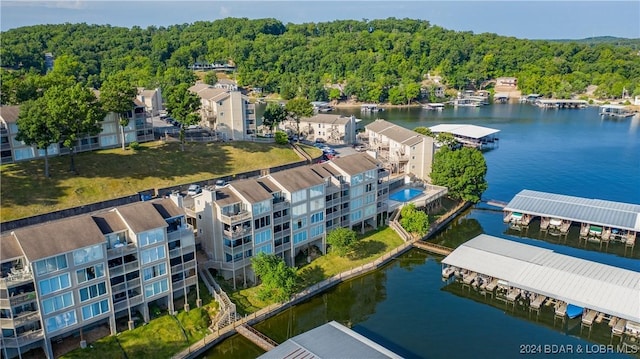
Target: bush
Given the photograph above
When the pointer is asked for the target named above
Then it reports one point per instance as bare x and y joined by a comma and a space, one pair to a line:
134, 146
282, 138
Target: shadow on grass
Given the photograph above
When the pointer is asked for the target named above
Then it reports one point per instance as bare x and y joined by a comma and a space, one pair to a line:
310, 275
365, 249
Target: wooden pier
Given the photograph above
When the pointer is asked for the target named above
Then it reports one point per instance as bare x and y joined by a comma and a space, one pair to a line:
433, 248
256, 337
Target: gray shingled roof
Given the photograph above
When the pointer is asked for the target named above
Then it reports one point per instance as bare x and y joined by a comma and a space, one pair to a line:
56, 237
330, 340
356, 163
141, 217
296, 179
585, 210
396, 133
576, 281
251, 190
9, 113
109, 222
225, 197
327, 119
167, 208
9, 247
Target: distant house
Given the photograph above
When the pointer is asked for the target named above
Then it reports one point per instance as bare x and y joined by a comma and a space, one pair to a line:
226, 84
152, 100
400, 149
228, 112
507, 82
330, 128
48, 61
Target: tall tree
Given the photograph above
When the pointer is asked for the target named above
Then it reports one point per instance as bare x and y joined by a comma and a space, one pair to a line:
77, 113
297, 108
424, 131
414, 220
462, 171
341, 240
183, 105
274, 113
36, 128
278, 279
116, 95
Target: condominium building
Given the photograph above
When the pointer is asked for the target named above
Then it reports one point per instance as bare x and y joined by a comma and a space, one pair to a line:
289, 213
401, 150
228, 113
62, 277
139, 129
329, 128
152, 100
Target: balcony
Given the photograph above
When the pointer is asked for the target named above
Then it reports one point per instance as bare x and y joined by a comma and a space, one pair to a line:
22, 298
237, 232
26, 317
121, 249
23, 339
16, 277
236, 217
183, 230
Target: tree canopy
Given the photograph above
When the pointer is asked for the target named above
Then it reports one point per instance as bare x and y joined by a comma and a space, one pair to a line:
462, 171
371, 60
414, 220
341, 240
183, 105
36, 128
274, 113
278, 279
116, 95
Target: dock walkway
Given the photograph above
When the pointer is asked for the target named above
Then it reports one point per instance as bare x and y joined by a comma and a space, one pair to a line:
433, 248
256, 337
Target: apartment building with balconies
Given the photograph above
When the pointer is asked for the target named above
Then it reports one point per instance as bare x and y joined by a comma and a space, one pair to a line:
65, 276
289, 213
229, 113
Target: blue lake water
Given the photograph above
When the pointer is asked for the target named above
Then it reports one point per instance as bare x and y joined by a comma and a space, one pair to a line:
406, 307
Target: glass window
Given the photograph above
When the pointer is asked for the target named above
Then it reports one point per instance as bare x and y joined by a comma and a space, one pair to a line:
267, 248
58, 302
89, 254
54, 284
299, 210
316, 204
51, 264
156, 288
356, 179
261, 207
60, 321
150, 237
262, 237
356, 191
92, 291
356, 216
299, 223
95, 309
317, 217
153, 254
155, 271
90, 273
356, 203
299, 237
316, 230
370, 210
299, 196
316, 191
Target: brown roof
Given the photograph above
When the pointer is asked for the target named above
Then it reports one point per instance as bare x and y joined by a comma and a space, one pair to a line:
9, 247
394, 132
296, 179
327, 119
167, 208
9, 113
141, 216
251, 190
356, 163
109, 222
225, 197
58, 237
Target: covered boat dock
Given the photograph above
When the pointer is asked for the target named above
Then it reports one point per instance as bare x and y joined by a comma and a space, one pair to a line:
540, 276
469, 135
599, 220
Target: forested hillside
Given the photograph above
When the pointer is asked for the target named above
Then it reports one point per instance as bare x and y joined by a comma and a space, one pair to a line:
375, 60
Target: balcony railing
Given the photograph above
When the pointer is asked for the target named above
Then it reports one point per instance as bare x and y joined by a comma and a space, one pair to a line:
120, 250
22, 298
237, 217
26, 317
16, 277
24, 339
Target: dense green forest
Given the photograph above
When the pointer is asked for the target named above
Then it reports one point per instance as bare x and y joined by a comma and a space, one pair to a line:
373, 60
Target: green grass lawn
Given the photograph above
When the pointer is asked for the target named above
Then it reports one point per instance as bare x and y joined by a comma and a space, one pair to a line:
371, 246
113, 173
162, 337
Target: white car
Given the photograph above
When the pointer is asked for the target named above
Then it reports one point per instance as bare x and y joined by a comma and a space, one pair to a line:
220, 184
194, 189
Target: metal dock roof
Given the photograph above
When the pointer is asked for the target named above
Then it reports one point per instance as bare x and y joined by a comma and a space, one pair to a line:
471, 131
593, 211
330, 340
584, 283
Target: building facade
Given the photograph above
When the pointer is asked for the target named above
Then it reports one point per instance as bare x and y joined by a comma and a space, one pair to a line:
228, 113
289, 213
401, 150
139, 129
152, 100
328, 128
65, 276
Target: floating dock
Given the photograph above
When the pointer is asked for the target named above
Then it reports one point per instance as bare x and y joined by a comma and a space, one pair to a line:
470, 135
559, 103
537, 276
256, 337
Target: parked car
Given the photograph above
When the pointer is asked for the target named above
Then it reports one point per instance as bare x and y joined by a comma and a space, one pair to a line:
360, 148
220, 184
194, 189
320, 140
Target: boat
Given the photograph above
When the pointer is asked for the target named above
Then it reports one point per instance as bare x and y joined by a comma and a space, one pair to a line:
370, 107
465, 102
433, 106
448, 272
616, 111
